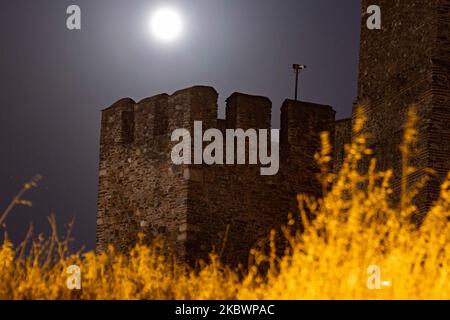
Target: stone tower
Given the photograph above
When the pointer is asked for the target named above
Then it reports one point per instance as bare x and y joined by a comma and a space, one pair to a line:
407, 63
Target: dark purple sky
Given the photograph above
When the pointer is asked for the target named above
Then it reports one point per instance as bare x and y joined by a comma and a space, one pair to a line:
55, 82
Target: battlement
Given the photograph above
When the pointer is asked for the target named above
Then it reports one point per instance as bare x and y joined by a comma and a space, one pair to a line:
193, 206
198, 103
160, 115
248, 112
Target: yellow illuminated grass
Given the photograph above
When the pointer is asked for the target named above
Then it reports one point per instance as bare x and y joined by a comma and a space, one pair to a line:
355, 226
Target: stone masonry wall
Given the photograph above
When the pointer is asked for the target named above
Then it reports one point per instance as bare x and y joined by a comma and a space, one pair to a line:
140, 190
201, 208
404, 64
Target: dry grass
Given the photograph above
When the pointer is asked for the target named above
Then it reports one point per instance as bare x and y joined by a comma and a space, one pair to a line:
355, 227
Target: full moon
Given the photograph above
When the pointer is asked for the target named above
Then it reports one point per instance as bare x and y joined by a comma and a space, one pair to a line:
166, 24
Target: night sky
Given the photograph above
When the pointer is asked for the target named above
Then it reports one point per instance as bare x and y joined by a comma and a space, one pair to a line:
54, 82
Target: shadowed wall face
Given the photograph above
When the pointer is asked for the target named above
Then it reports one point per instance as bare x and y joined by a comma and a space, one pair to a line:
407, 63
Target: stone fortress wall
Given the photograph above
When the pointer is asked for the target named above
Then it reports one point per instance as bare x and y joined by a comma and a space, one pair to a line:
201, 207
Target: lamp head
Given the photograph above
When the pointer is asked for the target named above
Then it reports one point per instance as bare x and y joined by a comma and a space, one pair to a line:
298, 66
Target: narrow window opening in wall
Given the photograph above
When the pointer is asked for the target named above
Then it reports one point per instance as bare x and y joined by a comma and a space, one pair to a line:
127, 127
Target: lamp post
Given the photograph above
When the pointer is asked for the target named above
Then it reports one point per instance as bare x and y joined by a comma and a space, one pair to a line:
298, 68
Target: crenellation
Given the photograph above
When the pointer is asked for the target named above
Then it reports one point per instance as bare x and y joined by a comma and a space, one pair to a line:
248, 112
301, 124
197, 208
